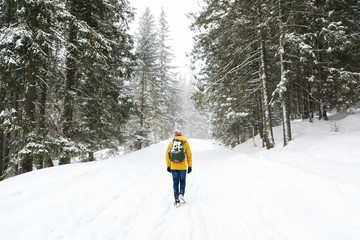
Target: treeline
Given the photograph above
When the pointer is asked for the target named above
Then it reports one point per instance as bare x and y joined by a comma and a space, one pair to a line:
263, 63
156, 89
72, 82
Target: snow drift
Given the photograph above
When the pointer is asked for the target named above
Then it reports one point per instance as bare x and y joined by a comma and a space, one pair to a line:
308, 190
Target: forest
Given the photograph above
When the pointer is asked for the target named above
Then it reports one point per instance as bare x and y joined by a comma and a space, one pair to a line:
74, 80
265, 63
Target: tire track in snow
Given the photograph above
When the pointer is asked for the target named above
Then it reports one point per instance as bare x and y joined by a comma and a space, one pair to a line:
195, 210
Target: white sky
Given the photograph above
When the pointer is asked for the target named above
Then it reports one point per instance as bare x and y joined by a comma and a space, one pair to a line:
180, 33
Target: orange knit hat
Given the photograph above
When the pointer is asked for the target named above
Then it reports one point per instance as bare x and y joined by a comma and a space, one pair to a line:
177, 133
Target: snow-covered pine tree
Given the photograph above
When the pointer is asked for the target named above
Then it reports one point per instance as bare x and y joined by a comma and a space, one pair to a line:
290, 49
196, 123
300, 49
145, 80
283, 86
10, 91
71, 76
44, 44
232, 40
27, 42
263, 18
333, 38
340, 37
98, 63
170, 91
293, 53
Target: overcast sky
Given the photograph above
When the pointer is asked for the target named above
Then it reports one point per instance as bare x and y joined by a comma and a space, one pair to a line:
179, 24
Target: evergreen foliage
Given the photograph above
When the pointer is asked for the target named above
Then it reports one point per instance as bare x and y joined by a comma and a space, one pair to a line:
298, 53
156, 93
64, 71
98, 67
170, 88
73, 81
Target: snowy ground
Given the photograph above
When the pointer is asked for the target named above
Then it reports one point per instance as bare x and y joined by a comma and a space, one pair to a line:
309, 190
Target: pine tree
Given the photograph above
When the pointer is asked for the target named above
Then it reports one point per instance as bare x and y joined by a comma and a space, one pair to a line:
99, 61
299, 51
233, 42
145, 79
155, 87
331, 35
9, 84
62, 60
169, 89
27, 56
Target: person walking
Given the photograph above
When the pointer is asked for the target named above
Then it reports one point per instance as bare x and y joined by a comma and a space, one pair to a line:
178, 160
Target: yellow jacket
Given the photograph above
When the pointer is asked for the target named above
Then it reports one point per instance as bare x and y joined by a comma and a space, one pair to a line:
188, 156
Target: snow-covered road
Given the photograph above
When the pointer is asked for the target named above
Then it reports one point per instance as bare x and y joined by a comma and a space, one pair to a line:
263, 195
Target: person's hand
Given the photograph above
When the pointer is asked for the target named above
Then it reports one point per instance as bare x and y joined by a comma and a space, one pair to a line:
168, 169
189, 169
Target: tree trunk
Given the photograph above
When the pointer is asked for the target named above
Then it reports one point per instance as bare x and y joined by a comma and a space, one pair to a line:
324, 113
260, 118
309, 104
42, 121
91, 157
7, 155
48, 162
1, 153
68, 113
322, 106
286, 120
70, 83
269, 143
142, 108
299, 104
284, 82
30, 94
29, 109
142, 105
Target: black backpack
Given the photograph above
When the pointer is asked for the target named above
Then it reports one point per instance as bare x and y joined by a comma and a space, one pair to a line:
176, 152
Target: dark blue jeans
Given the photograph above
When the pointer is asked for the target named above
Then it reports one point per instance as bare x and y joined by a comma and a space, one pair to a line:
179, 177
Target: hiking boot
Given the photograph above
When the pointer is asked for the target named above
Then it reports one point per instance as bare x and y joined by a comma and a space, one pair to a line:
181, 198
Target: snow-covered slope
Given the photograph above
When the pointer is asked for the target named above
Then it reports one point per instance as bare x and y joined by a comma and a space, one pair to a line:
309, 190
